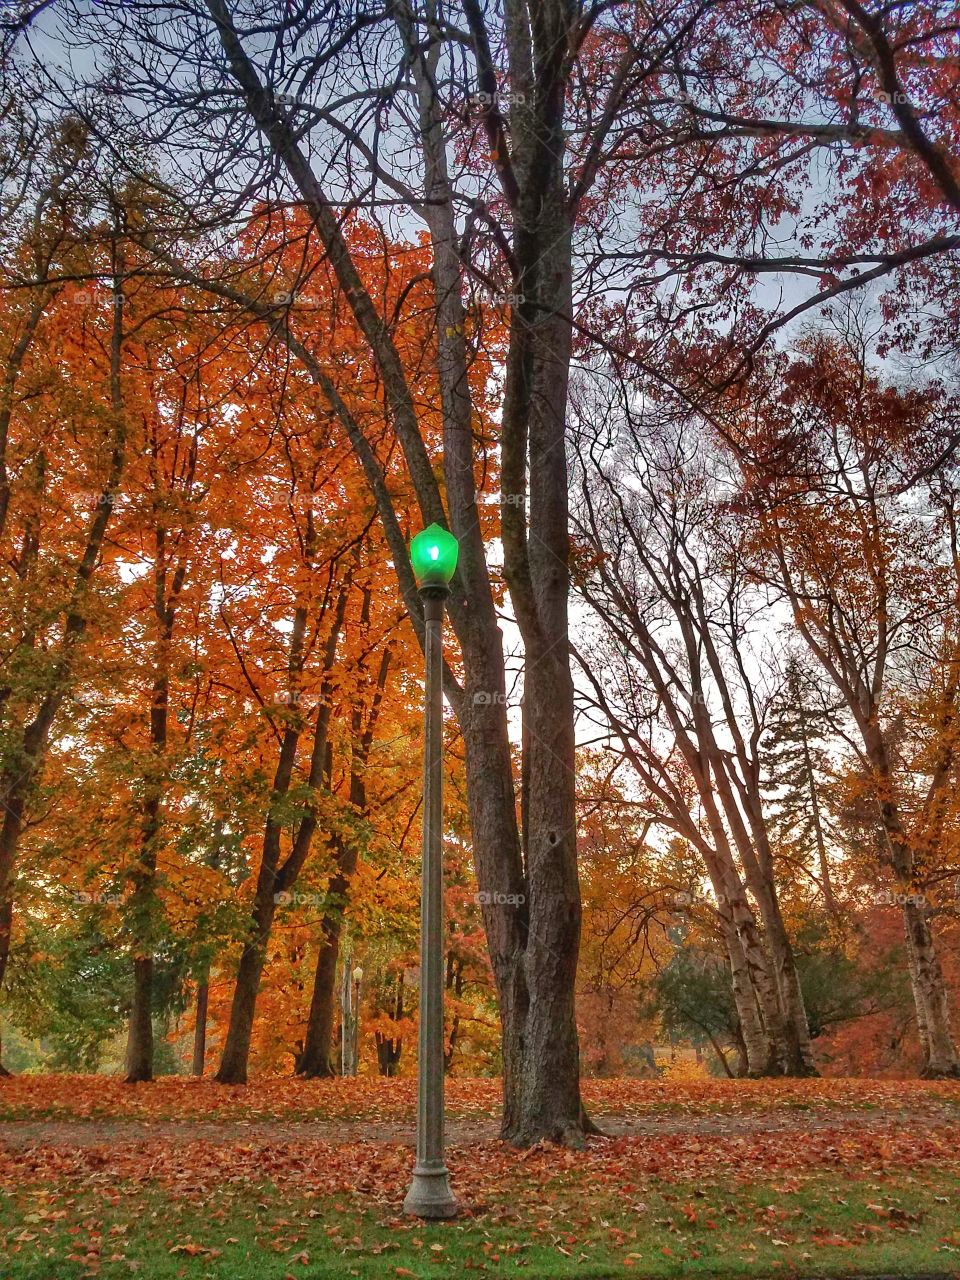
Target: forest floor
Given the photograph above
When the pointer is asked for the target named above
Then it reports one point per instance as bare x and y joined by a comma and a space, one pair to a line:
305, 1179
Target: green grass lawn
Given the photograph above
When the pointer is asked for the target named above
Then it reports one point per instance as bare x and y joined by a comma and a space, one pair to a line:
823, 1225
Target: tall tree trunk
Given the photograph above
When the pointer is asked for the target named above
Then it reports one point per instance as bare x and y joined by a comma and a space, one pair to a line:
735, 777
6, 929
534, 945
926, 976
798, 1052
533, 951
273, 877
318, 1043
454, 983
314, 1060
766, 1044
823, 861
236, 1049
743, 1061
930, 995
144, 905
549, 1099
758, 1052
139, 1056
142, 910
389, 1048
17, 782
753, 846
799, 1049
200, 1029
550, 1090
388, 1054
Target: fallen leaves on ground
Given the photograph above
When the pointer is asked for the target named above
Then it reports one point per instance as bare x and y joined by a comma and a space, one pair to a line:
373, 1098
700, 1135
381, 1171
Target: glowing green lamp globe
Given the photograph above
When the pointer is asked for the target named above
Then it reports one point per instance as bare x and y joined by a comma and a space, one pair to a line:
433, 554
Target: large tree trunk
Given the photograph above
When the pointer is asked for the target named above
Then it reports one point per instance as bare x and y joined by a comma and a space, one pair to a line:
759, 1057
534, 939
141, 913
318, 1044
388, 1049
274, 878
388, 1054
798, 1051
16, 784
549, 1098
454, 983
735, 778
767, 1051
7, 858
534, 936
496, 850
13, 788
534, 945
236, 1049
139, 1057
753, 847
823, 861
799, 1056
6, 929
550, 1090
144, 905
766, 1045
314, 1060
930, 995
200, 1029
743, 1062
930, 998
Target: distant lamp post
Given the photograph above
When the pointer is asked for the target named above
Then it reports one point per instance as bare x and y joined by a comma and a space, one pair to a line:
350, 981
355, 1047
433, 555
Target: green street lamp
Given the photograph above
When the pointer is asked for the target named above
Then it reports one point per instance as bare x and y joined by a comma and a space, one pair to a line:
433, 555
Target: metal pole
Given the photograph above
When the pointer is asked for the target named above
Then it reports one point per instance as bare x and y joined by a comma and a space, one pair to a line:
345, 1014
430, 1195
355, 1046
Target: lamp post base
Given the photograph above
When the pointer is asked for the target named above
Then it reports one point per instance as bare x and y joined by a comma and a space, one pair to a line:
430, 1195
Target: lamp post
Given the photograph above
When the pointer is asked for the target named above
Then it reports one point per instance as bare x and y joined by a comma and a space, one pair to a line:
355, 1024
349, 998
433, 555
